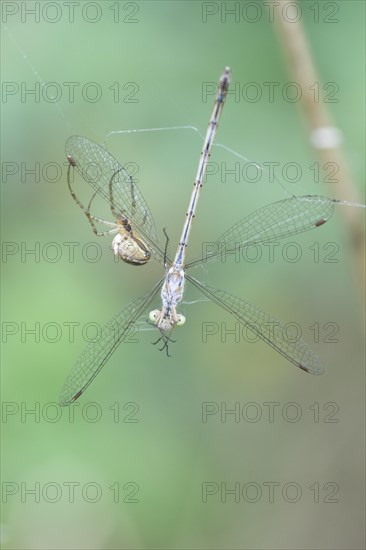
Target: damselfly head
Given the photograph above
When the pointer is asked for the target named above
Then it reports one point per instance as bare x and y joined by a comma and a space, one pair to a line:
166, 323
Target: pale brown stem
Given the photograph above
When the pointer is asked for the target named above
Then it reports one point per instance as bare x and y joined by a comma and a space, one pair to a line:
317, 116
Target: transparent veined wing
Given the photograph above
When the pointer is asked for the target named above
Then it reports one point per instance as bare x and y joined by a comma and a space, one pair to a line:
265, 327
270, 223
97, 353
97, 167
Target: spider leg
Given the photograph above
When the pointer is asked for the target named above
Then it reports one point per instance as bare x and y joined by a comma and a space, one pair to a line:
86, 211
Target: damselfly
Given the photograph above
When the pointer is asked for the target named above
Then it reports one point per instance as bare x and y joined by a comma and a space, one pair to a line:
136, 241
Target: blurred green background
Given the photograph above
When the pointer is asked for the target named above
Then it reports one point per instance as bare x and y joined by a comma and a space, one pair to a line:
157, 446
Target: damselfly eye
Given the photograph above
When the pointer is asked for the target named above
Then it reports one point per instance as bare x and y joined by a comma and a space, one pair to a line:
153, 315
181, 320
